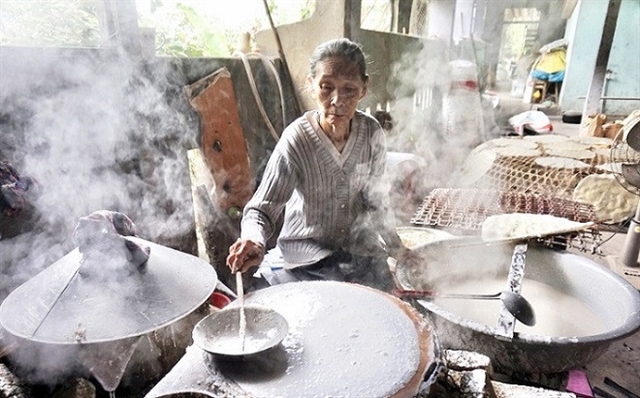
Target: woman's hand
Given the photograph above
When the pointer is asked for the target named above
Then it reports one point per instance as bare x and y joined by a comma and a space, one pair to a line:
244, 254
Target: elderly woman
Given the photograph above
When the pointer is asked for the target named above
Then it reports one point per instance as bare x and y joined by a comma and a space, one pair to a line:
327, 173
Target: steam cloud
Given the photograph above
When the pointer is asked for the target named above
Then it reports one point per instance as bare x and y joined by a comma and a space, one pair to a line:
97, 131
432, 120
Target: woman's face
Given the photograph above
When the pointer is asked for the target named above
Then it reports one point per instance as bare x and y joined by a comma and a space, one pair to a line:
337, 89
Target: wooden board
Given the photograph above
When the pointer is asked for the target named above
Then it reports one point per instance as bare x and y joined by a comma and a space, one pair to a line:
223, 143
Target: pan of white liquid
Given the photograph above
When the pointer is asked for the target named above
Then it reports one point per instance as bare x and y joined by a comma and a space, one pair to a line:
223, 334
581, 306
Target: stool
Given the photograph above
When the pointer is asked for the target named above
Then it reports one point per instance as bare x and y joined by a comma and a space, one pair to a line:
539, 86
543, 87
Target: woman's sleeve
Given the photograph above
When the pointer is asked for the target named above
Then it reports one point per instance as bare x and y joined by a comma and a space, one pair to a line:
267, 204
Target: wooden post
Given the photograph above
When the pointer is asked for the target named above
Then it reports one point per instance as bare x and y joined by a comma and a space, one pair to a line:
215, 230
594, 95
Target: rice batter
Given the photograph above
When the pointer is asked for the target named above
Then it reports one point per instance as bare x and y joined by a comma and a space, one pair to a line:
558, 314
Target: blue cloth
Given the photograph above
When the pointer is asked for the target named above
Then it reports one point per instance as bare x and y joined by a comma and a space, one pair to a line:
550, 77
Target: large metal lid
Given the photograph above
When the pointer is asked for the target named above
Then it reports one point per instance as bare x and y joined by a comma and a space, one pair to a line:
125, 288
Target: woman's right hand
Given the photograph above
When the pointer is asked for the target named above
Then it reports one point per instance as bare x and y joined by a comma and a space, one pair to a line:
244, 254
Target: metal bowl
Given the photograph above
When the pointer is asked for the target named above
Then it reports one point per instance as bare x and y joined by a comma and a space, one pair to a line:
220, 333
612, 300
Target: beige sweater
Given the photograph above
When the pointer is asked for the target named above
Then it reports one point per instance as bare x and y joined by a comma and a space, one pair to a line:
331, 200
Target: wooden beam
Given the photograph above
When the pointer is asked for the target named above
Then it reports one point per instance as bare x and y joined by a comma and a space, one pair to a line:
201, 184
215, 229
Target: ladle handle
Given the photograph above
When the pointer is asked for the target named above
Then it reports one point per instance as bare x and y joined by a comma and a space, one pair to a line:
413, 293
243, 316
435, 294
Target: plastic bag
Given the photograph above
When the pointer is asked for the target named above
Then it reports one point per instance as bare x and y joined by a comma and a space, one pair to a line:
534, 121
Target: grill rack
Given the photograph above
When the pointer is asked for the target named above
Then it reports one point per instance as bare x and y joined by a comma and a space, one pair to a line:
467, 208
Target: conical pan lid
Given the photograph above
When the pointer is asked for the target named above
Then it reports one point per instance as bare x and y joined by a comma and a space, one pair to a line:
64, 305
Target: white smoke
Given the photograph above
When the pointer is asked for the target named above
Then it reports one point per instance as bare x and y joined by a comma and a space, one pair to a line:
97, 131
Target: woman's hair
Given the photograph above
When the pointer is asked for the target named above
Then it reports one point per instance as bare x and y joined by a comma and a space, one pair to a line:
344, 48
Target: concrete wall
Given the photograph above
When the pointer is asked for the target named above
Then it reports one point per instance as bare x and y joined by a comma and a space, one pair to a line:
584, 32
301, 38
395, 60
441, 19
409, 74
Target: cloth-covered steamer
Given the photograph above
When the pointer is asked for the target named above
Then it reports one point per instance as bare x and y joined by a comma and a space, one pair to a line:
99, 299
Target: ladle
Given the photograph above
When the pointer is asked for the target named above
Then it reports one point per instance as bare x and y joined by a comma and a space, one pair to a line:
517, 305
243, 317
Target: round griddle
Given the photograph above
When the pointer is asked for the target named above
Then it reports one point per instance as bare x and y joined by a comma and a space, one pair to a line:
344, 340
64, 305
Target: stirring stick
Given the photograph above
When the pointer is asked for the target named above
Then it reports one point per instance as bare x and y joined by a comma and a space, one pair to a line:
243, 320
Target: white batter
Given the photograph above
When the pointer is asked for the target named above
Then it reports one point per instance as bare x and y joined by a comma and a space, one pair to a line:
344, 341
557, 314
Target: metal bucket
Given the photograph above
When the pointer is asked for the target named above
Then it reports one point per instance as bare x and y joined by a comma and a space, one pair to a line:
613, 301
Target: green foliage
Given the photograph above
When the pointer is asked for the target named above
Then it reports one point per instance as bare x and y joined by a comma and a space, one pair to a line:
71, 23
308, 9
181, 30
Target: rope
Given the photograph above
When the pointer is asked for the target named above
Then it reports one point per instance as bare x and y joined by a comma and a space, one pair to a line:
256, 94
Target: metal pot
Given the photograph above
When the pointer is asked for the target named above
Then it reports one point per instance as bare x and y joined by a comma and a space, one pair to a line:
613, 301
91, 308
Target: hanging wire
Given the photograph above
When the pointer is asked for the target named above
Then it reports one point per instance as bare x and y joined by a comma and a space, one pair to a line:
256, 93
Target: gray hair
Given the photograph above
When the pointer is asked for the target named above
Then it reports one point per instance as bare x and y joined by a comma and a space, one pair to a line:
343, 48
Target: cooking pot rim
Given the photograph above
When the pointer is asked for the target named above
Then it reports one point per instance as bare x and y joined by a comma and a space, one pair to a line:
63, 290
627, 328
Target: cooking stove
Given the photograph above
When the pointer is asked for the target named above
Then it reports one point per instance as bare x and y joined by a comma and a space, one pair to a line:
344, 340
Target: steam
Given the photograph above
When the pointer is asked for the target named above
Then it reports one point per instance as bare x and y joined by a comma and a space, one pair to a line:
432, 120
443, 133
97, 130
